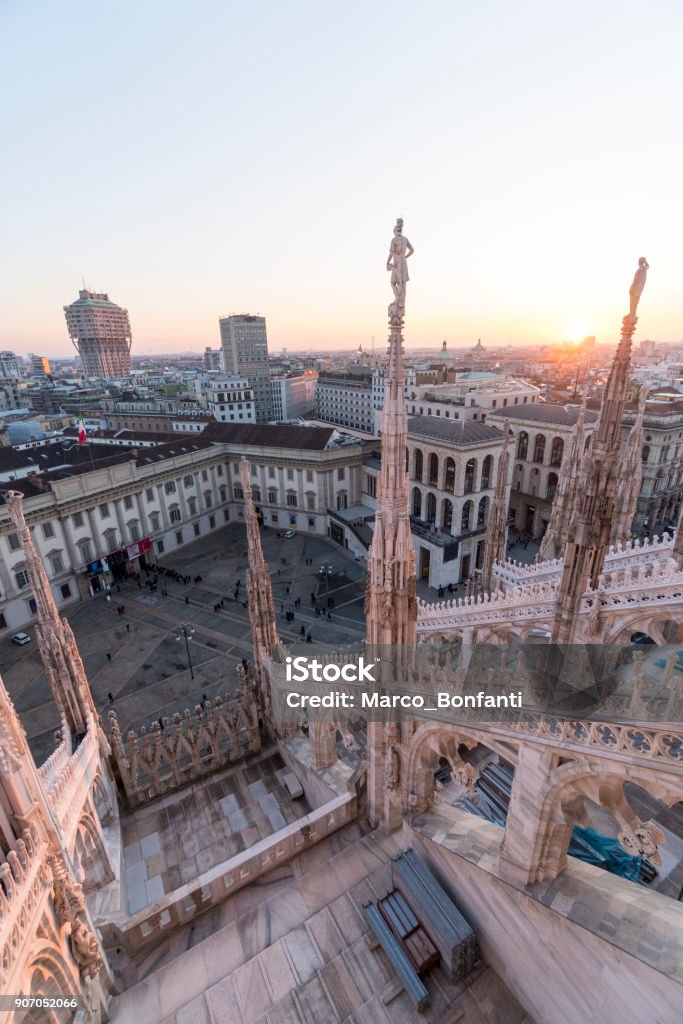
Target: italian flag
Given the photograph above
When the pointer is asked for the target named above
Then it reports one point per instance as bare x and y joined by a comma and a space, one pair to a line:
81, 430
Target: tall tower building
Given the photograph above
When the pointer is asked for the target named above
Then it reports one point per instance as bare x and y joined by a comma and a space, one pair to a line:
100, 331
245, 354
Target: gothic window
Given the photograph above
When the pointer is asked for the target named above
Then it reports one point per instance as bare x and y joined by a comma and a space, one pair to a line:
539, 447
447, 514
522, 445
449, 483
481, 511
433, 470
417, 502
552, 485
556, 452
466, 516
418, 464
470, 471
486, 468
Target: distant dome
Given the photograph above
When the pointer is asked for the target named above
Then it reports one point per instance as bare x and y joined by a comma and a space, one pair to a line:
444, 355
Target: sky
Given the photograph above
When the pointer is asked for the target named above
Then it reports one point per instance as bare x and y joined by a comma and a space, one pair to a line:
196, 160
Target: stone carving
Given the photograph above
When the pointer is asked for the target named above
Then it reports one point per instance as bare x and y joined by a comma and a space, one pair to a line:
397, 262
69, 903
636, 289
391, 768
642, 839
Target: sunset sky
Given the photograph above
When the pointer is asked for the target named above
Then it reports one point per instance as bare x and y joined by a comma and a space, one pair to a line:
201, 159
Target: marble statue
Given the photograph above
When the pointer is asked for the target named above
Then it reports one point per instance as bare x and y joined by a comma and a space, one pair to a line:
397, 262
636, 289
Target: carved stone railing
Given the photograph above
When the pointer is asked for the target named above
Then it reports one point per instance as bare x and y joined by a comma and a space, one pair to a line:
655, 550
25, 882
49, 770
150, 924
186, 749
73, 784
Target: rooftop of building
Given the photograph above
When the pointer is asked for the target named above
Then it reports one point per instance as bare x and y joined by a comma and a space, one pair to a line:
273, 435
545, 412
89, 299
461, 432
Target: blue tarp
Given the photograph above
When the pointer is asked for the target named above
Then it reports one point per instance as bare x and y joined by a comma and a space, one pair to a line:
592, 846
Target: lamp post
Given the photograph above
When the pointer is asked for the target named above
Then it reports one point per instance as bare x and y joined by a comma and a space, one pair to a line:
188, 632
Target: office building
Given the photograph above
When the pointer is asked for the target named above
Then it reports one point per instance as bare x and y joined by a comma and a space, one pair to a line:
100, 331
244, 345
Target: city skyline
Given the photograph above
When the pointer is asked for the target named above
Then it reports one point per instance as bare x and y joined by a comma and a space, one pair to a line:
529, 152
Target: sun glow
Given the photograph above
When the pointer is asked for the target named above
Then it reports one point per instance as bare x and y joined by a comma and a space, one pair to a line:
577, 329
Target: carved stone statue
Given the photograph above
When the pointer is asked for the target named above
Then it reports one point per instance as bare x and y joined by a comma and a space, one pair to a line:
391, 768
636, 289
397, 262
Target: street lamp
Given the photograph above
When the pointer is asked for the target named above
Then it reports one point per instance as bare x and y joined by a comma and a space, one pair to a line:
187, 632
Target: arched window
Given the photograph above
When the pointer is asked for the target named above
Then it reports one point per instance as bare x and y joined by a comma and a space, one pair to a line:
522, 445
481, 511
470, 471
431, 508
418, 464
556, 452
433, 470
447, 517
466, 516
552, 485
417, 502
342, 500
450, 475
539, 447
110, 540
134, 529
646, 453
486, 467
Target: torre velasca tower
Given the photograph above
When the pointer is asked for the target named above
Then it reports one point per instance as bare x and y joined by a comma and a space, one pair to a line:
100, 331
245, 354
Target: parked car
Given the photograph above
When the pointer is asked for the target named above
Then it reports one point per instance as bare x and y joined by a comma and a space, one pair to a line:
289, 534
21, 639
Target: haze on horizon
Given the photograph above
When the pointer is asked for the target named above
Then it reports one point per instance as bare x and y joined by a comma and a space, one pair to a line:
194, 162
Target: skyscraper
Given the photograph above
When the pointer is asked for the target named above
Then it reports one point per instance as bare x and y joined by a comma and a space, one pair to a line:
245, 354
100, 331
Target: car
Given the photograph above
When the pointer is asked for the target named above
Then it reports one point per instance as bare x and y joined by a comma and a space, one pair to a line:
289, 534
21, 639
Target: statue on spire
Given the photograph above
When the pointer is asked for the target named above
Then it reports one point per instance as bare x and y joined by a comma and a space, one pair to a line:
397, 262
636, 289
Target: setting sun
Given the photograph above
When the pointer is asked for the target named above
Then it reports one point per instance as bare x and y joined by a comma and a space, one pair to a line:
577, 329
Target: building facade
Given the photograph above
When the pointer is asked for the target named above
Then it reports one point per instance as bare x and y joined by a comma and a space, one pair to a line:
541, 438
294, 395
662, 463
230, 400
9, 366
347, 399
100, 332
244, 347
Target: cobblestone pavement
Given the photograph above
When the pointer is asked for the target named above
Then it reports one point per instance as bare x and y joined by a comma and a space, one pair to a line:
148, 674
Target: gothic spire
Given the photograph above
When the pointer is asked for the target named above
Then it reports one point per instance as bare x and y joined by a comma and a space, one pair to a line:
629, 477
390, 598
259, 596
56, 641
556, 535
591, 521
496, 534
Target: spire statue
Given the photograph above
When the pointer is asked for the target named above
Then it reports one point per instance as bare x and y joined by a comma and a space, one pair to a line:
555, 536
56, 642
591, 520
496, 535
260, 598
390, 599
629, 477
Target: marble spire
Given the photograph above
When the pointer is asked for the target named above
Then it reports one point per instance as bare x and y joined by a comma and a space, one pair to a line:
390, 599
629, 477
260, 598
496, 534
594, 503
556, 535
56, 642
